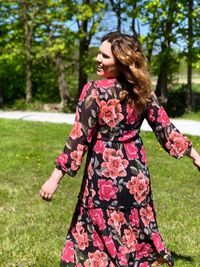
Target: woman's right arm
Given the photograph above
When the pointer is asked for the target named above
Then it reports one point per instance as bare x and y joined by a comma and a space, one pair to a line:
51, 185
69, 161
194, 155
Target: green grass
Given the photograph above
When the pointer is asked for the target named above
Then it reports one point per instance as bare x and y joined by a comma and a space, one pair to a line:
32, 231
191, 116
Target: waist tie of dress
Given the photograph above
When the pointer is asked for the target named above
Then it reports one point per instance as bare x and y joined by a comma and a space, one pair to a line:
119, 140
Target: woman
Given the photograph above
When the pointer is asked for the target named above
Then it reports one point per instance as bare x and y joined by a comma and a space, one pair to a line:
114, 223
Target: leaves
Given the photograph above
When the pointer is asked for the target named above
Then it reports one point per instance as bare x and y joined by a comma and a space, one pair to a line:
134, 171
58, 27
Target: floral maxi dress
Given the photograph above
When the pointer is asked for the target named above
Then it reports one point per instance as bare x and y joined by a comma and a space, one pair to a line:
114, 223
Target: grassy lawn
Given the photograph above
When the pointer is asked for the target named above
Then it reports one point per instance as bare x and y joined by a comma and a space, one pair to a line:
33, 232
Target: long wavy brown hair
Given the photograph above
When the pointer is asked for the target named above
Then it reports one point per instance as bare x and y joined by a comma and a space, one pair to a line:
134, 75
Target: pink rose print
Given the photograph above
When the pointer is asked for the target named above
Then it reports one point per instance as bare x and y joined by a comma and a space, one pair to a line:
81, 237
79, 265
76, 130
114, 165
68, 252
110, 112
90, 203
147, 215
139, 187
99, 147
129, 240
94, 93
143, 153
177, 144
116, 219
97, 240
110, 245
143, 250
86, 192
77, 156
132, 114
150, 115
84, 90
90, 134
162, 117
122, 256
144, 264
62, 160
127, 135
81, 211
89, 170
98, 258
105, 83
131, 150
96, 216
134, 218
157, 241
106, 190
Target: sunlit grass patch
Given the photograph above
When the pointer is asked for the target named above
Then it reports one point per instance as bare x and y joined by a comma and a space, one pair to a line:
33, 232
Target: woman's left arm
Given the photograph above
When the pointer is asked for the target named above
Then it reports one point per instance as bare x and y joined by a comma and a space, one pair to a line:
175, 143
194, 155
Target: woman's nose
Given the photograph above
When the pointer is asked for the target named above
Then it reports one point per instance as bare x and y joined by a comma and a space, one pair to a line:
98, 58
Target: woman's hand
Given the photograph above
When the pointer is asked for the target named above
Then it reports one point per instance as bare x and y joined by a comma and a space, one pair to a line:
196, 162
48, 189
51, 185
194, 155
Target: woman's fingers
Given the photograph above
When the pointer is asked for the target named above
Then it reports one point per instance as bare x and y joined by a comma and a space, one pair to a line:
197, 164
46, 196
48, 189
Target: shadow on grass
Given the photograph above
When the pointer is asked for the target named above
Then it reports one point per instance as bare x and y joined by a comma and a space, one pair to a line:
182, 257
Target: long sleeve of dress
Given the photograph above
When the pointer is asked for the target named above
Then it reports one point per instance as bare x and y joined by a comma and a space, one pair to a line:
86, 117
167, 134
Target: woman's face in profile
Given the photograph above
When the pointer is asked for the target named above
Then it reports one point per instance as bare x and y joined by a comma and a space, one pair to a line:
107, 66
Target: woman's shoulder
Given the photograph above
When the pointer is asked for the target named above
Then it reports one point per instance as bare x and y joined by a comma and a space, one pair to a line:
100, 89
107, 83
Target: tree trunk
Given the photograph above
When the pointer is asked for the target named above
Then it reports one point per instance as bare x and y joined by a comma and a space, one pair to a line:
83, 53
62, 83
87, 27
133, 24
189, 94
117, 9
150, 42
28, 28
118, 13
28, 77
161, 87
162, 82
1, 99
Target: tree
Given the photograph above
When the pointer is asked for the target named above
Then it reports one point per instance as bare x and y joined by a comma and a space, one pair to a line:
149, 13
117, 8
132, 9
11, 53
189, 31
189, 98
192, 31
88, 16
56, 42
28, 13
167, 23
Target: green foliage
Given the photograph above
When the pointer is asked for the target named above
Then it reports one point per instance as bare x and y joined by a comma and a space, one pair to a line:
176, 101
33, 232
57, 30
12, 78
